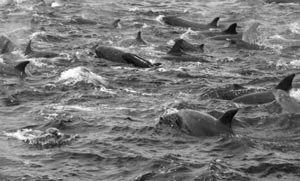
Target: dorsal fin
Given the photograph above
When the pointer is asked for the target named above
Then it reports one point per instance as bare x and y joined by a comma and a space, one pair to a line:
214, 22
201, 47
28, 49
21, 67
231, 29
227, 117
286, 83
139, 37
115, 24
176, 49
5, 48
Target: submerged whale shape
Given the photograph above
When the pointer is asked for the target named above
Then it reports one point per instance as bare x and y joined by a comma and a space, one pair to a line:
138, 40
176, 54
199, 124
119, 56
266, 96
176, 21
241, 44
38, 54
18, 70
6, 46
81, 20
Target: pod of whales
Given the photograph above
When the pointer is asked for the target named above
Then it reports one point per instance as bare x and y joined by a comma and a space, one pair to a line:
199, 124
38, 54
119, 56
266, 96
18, 70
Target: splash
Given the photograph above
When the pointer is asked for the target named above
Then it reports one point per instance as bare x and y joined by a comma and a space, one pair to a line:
50, 138
251, 35
295, 28
81, 74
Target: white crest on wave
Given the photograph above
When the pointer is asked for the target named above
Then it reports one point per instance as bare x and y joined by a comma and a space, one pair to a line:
81, 74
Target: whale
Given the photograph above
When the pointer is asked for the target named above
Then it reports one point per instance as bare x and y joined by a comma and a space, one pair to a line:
113, 25
265, 96
176, 54
180, 22
17, 70
116, 55
199, 124
186, 46
6, 45
230, 32
138, 40
38, 54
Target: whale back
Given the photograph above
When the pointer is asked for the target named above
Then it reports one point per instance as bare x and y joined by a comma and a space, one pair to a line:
139, 38
110, 53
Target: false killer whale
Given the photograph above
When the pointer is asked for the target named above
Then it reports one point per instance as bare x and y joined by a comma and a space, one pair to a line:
266, 96
176, 21
199, 124
119, 56
186, 46
38, 54
138, 40
176, 54
18, 70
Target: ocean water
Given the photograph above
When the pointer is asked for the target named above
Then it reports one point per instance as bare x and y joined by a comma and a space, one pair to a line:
78, 117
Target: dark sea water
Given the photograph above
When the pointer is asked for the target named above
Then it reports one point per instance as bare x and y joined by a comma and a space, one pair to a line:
105, 114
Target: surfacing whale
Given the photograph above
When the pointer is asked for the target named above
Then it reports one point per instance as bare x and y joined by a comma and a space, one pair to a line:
266, 96
38, 54
18, 70
176, 54
199, 124
176, 21
186, 46
119, 56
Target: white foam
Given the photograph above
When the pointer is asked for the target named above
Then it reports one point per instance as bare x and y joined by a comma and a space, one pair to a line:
295, 93
81, 74
295, 27
24, 134
159, 18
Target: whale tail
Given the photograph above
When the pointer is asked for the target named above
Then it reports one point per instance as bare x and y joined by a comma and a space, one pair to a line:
231, 29
28, 49
176, 49
227, 117
286, 83
214, 22
136, 60
139, 37
21, 67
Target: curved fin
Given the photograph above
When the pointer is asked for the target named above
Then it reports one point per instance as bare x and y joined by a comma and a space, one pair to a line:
214, 22
176, 49
286, 83
28, 49
5, 48
201, 47
139, 37
21, 67
231, 29
115, 24
136, 60
227, 117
